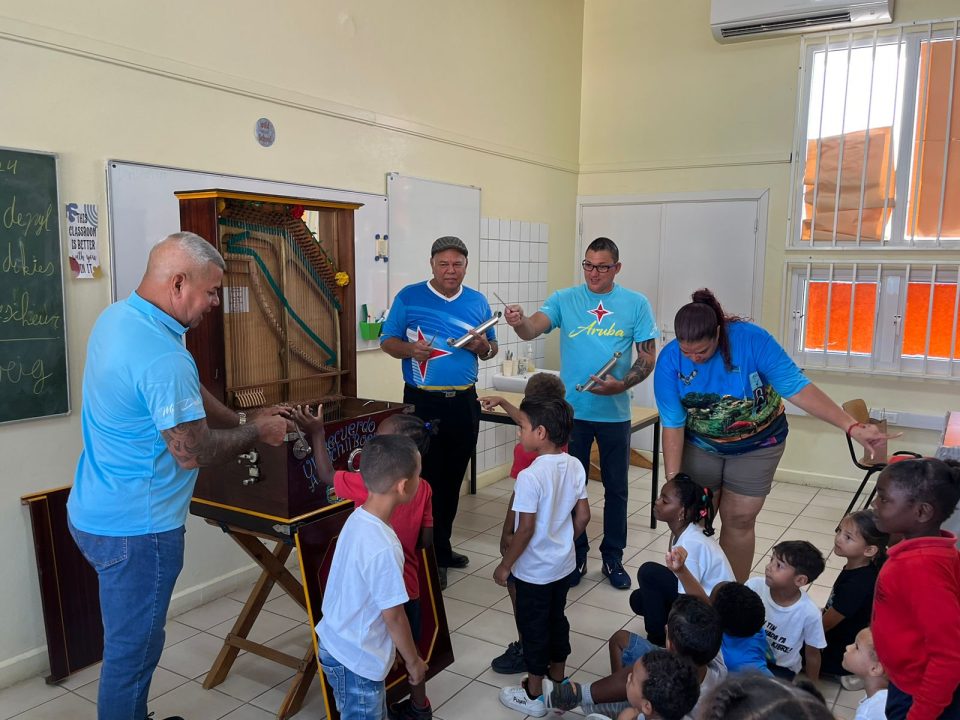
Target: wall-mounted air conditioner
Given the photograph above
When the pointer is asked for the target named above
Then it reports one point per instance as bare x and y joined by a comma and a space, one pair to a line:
733, 20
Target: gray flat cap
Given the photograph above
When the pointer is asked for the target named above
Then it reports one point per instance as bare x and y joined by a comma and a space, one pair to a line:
448, 242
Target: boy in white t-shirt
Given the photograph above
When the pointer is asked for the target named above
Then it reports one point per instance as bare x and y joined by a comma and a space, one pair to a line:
793, 620
364, 622
861, 659
551, 509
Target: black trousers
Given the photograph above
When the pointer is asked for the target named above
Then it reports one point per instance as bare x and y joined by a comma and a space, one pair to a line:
458, 420
653, 598
899, 704
543, 627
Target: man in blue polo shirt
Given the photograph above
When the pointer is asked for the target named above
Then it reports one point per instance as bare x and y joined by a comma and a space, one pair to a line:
145, 433
596, 320
439, 380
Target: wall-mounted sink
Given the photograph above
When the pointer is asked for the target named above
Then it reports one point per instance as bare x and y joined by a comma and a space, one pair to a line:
516, 383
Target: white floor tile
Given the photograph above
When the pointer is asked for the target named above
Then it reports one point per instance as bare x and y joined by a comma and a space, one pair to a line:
27, 694
68, 705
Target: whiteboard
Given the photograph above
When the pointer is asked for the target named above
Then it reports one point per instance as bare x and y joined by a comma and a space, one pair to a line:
143, 210
420, 212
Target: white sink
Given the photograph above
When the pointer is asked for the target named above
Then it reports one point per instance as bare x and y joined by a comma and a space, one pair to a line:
516, 383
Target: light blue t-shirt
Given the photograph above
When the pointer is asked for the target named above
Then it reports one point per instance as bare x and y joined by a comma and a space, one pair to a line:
593, 327
729, 412
139, 380
420, 312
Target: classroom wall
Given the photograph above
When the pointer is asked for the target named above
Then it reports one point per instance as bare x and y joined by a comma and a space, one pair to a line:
665, 108
355, 88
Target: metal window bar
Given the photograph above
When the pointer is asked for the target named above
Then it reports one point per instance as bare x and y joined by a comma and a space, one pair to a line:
829, 309
891, 159
956, 314
927, 338
946, 144
816, 179
876, 317
806, 307
853, 300
843, 142
866, 140
899, 321
918, 140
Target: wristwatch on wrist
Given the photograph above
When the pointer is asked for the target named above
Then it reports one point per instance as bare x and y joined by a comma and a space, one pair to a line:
243, 418
489, 354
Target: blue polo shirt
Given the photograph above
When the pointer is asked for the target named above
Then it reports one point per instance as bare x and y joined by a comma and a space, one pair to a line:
593, 327
420, 312
139, 380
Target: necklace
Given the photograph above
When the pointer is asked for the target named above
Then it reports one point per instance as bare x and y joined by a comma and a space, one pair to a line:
687, 379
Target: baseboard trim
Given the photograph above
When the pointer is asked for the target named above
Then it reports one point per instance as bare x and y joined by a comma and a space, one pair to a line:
820, 480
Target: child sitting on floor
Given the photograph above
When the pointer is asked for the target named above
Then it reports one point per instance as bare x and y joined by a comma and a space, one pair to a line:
793, 619
541, 384
861, 660
661, 686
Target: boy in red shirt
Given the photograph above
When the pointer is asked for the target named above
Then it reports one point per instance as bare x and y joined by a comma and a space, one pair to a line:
412, 522
541, 384
916, 608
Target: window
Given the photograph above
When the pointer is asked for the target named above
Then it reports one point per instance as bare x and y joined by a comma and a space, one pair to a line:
878, 151
879, 317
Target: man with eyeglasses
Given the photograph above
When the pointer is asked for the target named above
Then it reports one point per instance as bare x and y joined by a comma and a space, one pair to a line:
596, 320
439, 380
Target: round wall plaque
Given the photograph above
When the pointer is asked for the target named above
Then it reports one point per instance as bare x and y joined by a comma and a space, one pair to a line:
265, 131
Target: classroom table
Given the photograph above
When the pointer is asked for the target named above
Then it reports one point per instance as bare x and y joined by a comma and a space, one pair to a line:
640, 418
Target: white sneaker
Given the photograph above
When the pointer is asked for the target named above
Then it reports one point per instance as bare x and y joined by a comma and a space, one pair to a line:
516, 698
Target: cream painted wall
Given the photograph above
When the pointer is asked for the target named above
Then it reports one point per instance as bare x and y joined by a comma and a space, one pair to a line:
484, 94
667, 109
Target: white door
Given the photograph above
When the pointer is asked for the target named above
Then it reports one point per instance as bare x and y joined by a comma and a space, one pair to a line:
669, 249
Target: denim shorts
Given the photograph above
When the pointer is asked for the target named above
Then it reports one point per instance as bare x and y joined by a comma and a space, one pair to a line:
636, 649
357, 697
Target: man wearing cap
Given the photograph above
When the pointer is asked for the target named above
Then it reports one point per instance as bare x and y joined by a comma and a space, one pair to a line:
596, 320
439, 379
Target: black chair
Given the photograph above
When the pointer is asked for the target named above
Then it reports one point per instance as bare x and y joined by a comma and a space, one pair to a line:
857, 409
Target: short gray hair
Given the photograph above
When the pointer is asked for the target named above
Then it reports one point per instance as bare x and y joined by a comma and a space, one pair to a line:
198, 250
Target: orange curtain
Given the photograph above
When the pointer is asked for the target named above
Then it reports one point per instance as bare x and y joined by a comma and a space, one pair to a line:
861, 300
940, 315
933, 96
878, 188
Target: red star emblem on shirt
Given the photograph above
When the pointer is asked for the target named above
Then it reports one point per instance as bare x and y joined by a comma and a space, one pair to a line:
434, 353
600, 312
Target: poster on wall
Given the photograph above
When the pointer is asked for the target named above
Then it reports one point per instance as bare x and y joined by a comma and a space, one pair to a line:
82, 231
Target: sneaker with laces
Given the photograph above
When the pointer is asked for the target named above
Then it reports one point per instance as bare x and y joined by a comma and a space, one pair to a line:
561, 695
617, 576
851, 682
511, 662
578, 572
515, 697
405, 710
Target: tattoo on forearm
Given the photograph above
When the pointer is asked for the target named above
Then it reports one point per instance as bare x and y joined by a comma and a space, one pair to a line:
194, 444
646, 359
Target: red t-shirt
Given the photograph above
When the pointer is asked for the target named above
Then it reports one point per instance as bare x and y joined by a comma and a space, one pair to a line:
407, 519
523, 459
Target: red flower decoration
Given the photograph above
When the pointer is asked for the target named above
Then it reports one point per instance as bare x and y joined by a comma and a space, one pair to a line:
297, 211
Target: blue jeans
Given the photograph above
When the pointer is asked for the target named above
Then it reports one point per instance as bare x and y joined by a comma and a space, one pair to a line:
137, 575
636, 649
613, 442
357, 697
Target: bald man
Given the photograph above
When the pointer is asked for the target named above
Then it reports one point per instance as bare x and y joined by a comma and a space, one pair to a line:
145, 434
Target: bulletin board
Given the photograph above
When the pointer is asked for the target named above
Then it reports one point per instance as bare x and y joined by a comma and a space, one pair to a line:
420, 212
143, 210
33, 336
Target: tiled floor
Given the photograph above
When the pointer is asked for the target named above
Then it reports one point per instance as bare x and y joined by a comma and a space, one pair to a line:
478, 611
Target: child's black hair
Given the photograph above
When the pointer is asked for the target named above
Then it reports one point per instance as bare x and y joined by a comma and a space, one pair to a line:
752, 696
386, 460
803, 556
544, 384
929, 480
554, 414
697, 501
866, 522
671, 686
694, 630
412, 427
740, 609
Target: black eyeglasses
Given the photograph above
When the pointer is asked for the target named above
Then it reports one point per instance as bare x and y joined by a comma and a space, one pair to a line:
590, 267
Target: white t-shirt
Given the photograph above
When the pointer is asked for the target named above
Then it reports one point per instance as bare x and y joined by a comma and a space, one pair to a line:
550, 487
706, 560
716, 674
366, 578
874, 707
789, 628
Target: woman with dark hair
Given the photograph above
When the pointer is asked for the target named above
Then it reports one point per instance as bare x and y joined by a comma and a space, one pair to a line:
720, 387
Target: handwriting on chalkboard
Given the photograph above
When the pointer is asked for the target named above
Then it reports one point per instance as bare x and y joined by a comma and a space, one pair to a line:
21, 311
36, 223
15, 262
13, 372
10, 166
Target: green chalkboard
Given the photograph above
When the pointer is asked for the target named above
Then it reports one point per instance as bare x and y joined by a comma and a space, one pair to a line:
33, 347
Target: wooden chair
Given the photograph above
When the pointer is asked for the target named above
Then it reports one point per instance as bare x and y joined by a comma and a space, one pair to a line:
857, 409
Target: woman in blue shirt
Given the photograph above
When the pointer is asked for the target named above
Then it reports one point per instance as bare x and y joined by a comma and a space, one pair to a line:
720, 387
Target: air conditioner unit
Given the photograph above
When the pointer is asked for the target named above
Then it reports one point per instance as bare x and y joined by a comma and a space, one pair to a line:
734, 20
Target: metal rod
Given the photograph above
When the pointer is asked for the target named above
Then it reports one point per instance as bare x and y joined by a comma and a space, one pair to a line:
607, 367
500, 299
464, 339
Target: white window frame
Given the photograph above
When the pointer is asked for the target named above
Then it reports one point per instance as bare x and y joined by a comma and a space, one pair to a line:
911, 35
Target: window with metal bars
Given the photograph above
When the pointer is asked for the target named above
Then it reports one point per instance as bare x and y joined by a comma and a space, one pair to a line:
877, 157
886, 317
